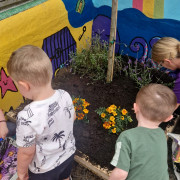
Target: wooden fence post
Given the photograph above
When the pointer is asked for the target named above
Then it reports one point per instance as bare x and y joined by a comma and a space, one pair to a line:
112, 40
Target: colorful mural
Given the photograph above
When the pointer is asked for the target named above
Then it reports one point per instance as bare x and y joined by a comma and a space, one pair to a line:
45, 25
63, 26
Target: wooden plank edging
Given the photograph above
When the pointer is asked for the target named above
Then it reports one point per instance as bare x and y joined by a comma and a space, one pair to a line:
95, 170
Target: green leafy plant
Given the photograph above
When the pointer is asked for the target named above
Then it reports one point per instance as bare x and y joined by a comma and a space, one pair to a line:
114, 118
81, 110
142, 74
92, 62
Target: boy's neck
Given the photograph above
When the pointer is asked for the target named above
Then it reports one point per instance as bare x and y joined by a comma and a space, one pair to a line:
148, 124
143, 122
42, 93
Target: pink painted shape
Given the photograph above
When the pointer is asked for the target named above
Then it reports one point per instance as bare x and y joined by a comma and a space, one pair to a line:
138, 4
6, 84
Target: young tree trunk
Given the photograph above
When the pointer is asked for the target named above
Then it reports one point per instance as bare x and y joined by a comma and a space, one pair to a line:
112, 40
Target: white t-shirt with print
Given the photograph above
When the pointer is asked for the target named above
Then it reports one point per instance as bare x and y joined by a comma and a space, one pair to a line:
49, 125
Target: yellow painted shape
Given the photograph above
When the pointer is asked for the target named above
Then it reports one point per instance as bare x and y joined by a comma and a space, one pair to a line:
32, 27
148, 8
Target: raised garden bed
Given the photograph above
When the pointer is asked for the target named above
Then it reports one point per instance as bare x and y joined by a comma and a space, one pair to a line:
91, 138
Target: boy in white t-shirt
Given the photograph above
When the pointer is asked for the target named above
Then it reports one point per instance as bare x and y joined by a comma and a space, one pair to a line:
45, 126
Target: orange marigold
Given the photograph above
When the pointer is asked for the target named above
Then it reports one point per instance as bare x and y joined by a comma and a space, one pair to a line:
80, 116
106, 125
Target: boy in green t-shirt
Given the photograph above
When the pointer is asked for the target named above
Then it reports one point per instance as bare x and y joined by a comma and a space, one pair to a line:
141, 152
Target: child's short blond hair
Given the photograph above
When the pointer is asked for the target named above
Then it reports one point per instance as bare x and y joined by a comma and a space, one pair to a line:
156, 102
166, 48
30, 63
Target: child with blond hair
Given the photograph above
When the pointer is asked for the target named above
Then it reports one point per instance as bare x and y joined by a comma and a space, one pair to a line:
141, 152
166, 52
45, 126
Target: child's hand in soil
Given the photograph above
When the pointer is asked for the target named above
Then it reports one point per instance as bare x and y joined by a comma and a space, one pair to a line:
3, 126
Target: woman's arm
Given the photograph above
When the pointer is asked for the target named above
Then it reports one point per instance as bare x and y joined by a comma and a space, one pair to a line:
3, 125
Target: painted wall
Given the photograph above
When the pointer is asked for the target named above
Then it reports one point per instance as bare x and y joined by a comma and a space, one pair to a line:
62, 26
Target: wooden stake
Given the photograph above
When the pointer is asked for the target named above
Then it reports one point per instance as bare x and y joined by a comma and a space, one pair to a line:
112, 40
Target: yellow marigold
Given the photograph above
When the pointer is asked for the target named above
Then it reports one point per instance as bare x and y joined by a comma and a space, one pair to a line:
111, 118
109, 109
114, 113
114, 130
113, 124
113, 106
85, 111
122, 117
103, 115
124, 112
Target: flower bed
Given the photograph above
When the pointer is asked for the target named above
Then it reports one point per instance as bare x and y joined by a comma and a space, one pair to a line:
91, 138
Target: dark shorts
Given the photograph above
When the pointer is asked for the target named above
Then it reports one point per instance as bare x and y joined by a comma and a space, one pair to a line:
61, 172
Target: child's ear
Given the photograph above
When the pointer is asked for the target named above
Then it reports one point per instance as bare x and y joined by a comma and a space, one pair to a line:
136, 108
24, 85
167, 61
169, 118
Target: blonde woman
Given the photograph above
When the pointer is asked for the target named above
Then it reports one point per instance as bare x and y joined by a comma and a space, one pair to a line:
166, 52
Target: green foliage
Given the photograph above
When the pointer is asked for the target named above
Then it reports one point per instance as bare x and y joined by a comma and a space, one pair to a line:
92, 62
143, 75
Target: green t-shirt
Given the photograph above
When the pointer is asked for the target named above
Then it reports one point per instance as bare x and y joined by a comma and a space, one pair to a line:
142, 152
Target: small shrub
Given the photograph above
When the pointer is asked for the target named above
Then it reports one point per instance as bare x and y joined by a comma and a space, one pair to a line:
114, 118
93, 61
